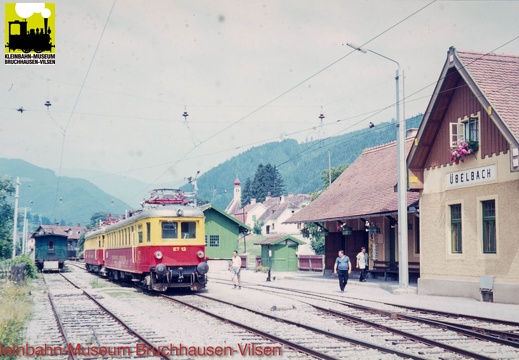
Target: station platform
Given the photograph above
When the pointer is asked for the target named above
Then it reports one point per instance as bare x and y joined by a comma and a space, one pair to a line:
373, 290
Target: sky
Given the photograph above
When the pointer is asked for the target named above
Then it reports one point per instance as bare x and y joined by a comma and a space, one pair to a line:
245, 72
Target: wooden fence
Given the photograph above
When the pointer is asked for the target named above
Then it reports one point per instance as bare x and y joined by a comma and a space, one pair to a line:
311, 263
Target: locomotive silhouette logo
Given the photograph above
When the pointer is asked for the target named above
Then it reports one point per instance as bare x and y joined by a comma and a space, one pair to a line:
29, 29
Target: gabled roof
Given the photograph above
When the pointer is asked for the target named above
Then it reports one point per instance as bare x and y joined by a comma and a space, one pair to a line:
210, 206
72, 232
277, 205
366, 187
273, 240
492, 78
233, 207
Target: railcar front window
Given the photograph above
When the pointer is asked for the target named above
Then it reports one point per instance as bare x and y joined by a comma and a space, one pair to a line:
169, 230
189, 230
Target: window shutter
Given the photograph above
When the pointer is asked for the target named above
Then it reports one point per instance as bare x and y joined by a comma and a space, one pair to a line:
456, 133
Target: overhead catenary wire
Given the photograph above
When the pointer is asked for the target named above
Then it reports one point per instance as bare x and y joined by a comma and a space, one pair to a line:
290, 90
75, 105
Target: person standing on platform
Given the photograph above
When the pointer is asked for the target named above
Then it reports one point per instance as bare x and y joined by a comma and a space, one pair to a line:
342, 268
236, 268
362, 263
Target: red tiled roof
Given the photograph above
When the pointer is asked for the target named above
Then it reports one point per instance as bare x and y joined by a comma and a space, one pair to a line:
498, 78
366, 187
72, 232
276, 206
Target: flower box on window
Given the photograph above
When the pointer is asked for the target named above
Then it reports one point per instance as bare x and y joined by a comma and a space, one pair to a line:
463, 150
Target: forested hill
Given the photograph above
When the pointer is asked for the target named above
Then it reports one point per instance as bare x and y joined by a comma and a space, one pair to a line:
300, 164
75, 202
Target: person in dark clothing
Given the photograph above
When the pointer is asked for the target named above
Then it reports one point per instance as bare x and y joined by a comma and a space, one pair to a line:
342, 268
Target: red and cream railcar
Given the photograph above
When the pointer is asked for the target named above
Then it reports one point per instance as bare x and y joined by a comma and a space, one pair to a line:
159, 247
94, 253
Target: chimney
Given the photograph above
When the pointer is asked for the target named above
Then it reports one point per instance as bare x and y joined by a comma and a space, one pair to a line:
252, 201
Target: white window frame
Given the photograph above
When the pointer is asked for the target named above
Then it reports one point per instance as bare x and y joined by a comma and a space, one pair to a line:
456, 133
457, 129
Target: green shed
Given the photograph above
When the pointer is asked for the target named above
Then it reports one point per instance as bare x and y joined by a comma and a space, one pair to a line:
279, 252
222, 232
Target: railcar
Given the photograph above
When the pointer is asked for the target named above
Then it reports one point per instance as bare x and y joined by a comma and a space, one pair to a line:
94, 254
50, 251
160, 246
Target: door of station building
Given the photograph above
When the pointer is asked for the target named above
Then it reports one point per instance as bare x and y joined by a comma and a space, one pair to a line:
333, 243
354, 242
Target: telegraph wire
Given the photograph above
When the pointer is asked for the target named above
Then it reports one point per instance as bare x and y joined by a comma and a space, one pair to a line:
75, 104
292, 88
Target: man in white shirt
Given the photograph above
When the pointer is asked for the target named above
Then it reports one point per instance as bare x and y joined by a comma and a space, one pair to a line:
236, 267
362, 263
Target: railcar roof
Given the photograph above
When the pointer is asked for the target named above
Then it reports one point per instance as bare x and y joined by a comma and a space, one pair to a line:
169, 211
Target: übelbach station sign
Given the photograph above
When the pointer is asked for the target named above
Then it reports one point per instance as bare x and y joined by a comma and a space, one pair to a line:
471, 177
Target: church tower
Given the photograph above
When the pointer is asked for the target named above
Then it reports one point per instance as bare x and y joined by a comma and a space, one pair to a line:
237, 192
235, 203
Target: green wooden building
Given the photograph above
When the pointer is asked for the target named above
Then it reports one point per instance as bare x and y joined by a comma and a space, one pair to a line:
222, 232
279, 252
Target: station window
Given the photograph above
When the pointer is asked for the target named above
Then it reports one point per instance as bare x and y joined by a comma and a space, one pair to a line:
489, 226
466, 129
169, 230
188, 229
214, 240
456, 228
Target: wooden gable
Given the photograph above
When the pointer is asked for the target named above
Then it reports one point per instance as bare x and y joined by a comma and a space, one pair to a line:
456, 96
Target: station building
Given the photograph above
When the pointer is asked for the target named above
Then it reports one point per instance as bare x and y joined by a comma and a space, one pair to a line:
465, 165
463, 182
360, 209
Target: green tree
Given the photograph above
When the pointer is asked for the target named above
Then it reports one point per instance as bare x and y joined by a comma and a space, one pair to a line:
6, 217
95, 218
316, 236
257, 227
246, 192
81, 243
267, 180
335, 171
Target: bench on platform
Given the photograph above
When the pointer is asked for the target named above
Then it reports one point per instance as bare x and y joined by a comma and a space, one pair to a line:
390, 269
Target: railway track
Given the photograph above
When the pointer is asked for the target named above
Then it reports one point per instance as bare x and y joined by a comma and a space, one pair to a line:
90, 330
418, 334
44, 328
312, 341
502, 331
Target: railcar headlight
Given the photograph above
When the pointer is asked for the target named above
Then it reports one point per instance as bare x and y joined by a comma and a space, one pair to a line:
158, 255
200, 254
180, 212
